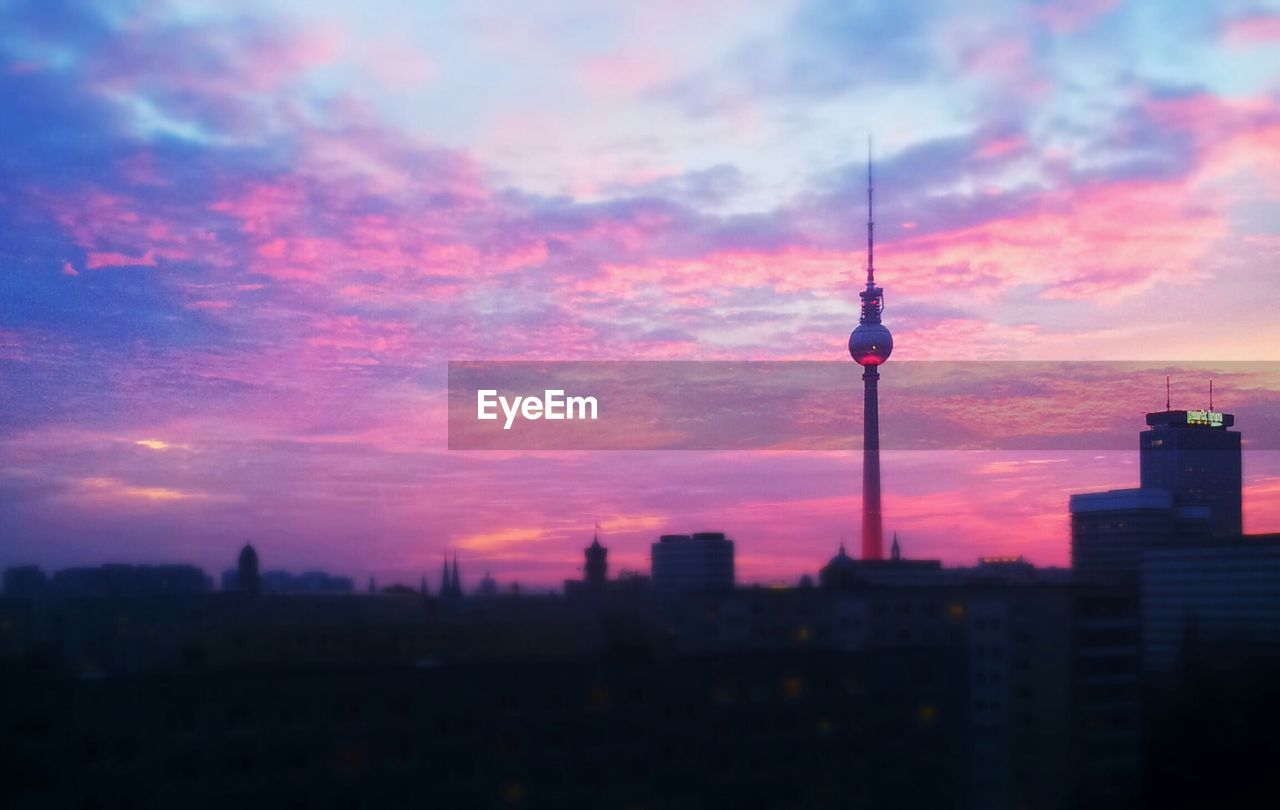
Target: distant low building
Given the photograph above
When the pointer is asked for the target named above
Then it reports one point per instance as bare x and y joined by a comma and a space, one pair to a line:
130, 580
308, 582
683, 562
25, 582
488, 587
843, 571
596, 584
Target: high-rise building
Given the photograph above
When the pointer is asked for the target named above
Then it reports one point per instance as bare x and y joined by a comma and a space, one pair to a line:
1146, 563
702, 561
1110, 530
1196, 457
870, 345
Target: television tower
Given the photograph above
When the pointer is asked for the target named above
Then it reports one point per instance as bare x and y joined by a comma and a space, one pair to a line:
870, 345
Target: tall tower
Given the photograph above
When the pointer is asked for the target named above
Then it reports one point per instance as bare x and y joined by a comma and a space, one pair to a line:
870, 345
597, 567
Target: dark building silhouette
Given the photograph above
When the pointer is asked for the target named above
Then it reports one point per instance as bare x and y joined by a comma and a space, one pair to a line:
683, 562
595, 583
286, 582
25, 582
840, 571
757, 730
398, 590
1110, 530
843, 571
1195, 457
247, 571
450, 581
1148, 562
1220, 596
488, 586
116, 580
596, 570
1107, 710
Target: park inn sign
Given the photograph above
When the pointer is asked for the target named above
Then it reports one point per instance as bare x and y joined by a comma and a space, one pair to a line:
1210, 418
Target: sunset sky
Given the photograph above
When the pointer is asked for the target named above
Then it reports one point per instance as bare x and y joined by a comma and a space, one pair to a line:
239, 242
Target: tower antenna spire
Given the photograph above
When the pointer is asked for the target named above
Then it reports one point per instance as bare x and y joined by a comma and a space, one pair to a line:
871, 225
1166, 393
1210, 394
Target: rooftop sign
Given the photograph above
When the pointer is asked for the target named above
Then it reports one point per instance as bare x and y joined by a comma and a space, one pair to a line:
1210, 418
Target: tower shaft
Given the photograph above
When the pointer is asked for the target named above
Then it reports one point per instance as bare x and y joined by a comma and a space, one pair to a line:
872, 530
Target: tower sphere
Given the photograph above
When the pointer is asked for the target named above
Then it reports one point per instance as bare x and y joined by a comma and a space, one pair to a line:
870, 344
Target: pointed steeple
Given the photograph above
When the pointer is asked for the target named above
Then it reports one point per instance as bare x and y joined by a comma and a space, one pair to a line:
444, 576
457, 581
895, 551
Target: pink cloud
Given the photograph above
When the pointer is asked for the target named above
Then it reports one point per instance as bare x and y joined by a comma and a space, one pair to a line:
1251, 30
1001, 146
628, 72
210, 304
109, 259
1066, 16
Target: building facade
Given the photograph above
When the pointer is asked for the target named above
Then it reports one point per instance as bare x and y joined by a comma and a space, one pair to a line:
683, 562
1195, 457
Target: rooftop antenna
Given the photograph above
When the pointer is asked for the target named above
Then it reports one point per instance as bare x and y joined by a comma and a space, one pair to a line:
871, 225
1210, 394
1166, 393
